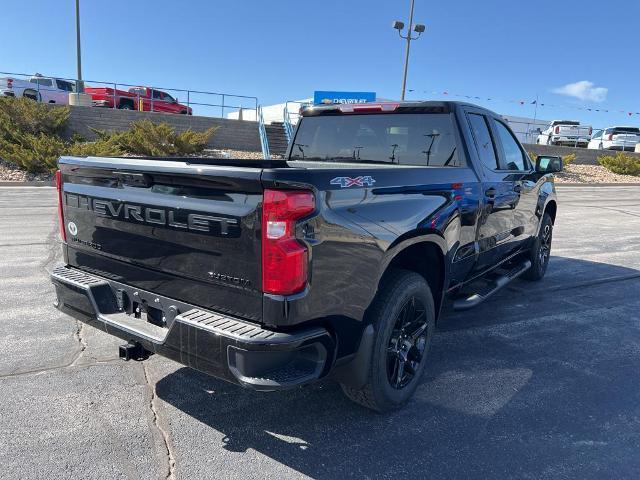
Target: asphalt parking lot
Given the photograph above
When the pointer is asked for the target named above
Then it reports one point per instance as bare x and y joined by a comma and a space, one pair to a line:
541, 382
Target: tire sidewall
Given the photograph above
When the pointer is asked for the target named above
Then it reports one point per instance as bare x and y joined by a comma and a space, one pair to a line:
411, 285
540, 268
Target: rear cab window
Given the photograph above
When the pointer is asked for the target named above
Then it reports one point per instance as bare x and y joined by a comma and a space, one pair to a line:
416, 139
626, 130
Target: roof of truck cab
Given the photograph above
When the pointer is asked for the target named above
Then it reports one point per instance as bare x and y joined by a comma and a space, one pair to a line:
400, 107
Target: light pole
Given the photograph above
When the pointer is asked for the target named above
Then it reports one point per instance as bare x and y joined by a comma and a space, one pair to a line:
419, 29
79, 84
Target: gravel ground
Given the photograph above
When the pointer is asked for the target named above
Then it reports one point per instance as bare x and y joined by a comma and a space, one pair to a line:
10, 173
590, 174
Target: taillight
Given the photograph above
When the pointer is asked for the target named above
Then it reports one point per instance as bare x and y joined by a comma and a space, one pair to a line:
590, 131
284, 258
63, 231
610, 137
557, 130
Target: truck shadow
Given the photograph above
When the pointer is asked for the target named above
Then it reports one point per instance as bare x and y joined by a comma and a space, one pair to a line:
520, 386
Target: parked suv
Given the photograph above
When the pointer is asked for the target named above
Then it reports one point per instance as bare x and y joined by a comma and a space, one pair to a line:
335, 261
615, 138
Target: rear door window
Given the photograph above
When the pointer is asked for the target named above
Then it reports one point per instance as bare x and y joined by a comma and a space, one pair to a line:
64, 85
484, 142
514, 157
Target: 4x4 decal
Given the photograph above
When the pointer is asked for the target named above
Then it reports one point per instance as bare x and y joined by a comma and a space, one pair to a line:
346, 182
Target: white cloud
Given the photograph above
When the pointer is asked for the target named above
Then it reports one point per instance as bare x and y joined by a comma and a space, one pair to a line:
583, 90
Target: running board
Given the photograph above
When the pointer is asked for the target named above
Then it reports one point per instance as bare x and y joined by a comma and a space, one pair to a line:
496, 284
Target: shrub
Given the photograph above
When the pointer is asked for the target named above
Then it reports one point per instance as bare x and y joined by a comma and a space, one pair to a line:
22, 115
30, 137
156, 140
99, 148
569, 159
621, 163
34, 153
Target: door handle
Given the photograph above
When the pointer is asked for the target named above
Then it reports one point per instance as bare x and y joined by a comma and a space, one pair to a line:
490, 192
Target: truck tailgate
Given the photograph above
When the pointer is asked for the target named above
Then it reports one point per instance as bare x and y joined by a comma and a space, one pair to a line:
185, 231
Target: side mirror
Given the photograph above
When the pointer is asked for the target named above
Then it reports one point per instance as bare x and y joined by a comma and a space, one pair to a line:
548, 164
175, 100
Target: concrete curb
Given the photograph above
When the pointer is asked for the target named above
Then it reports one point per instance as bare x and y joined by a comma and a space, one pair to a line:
27, 184
560, 185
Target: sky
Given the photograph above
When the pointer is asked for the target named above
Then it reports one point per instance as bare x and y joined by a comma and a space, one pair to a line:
568, 55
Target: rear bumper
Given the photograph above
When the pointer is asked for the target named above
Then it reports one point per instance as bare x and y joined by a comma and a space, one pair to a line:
568, 139
225, 347
622, 146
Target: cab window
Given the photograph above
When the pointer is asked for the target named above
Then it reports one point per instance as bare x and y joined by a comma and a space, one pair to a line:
514, 157
484, 142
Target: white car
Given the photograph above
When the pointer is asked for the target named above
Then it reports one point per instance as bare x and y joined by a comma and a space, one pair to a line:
615, 138
39, 88
565, 132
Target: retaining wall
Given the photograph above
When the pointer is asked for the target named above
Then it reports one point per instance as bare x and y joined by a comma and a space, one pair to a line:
231, 134
584, 156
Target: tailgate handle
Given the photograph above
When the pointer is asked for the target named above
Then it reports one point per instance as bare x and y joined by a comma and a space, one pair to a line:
141, 180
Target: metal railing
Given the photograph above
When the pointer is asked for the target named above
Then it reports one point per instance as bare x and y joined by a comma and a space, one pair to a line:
288, 125
290, 117
264, 141
127, 96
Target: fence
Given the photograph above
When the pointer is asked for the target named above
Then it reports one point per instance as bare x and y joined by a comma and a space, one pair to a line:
131, 97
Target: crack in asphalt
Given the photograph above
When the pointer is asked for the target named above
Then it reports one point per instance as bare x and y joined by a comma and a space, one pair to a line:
58, 367
79, 334
171, 462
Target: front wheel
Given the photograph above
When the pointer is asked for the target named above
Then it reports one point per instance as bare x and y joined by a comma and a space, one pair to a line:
540, 251
403, 317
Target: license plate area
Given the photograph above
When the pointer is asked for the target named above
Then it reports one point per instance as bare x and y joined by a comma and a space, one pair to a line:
146, 307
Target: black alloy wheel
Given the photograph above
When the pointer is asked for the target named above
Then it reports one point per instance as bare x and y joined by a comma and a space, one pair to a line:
407, 343
540, 251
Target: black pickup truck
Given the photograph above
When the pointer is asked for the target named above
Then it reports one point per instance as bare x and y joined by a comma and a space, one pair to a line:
334, 262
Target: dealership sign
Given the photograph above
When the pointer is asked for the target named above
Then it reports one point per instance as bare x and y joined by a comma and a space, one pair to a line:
321, 96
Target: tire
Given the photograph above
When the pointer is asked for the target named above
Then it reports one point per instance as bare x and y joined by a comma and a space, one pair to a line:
540, 251
403, 306
31, 94
125, 106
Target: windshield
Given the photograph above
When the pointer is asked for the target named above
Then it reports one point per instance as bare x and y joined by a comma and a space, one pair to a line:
425, 139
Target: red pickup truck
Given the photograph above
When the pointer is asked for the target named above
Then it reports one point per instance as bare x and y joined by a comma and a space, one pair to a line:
137, 98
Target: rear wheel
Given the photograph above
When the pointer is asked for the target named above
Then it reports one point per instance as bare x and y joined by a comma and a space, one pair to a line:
31, 94
540, 251
403, 317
